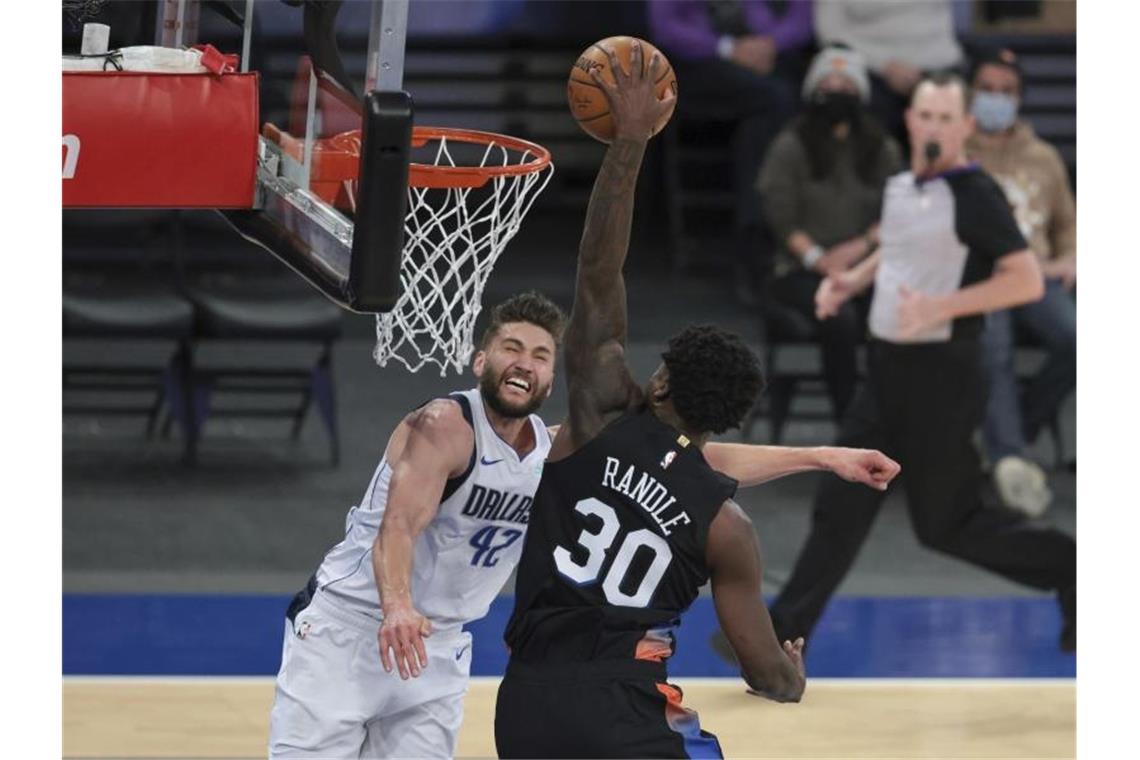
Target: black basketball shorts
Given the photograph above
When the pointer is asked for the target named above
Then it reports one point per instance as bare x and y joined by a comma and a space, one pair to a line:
604, 708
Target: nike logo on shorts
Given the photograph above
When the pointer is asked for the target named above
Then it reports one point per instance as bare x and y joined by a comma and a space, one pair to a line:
459, 654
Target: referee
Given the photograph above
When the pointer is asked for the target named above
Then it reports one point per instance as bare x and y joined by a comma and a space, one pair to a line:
950, 251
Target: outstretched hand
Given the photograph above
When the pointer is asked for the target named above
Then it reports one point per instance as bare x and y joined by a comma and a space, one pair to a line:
634, 105
867, 466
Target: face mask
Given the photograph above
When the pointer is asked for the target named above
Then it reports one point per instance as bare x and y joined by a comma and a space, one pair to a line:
834, 107
994, 111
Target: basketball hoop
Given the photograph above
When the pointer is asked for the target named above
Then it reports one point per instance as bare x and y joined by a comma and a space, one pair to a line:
468, 192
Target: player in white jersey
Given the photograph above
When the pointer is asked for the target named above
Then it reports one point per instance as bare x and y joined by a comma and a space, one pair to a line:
431, 544
434, 539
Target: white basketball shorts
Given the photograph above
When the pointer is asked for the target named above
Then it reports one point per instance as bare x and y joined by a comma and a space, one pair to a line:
334, 700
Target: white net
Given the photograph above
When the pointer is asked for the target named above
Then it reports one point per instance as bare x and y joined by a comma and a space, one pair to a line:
452, 239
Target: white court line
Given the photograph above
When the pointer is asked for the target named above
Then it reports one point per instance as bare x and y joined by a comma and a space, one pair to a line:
860, 683
161, 680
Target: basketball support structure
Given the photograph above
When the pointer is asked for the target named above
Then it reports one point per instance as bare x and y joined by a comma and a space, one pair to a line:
355, 263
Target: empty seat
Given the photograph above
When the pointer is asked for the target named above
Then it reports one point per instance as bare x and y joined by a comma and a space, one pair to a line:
268, 309
145, 311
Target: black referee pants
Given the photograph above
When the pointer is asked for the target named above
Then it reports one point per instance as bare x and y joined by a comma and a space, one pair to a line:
920, 406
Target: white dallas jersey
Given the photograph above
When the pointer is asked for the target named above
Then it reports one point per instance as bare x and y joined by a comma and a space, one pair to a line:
467, 552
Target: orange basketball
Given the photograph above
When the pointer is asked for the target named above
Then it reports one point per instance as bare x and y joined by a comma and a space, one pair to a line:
588, 102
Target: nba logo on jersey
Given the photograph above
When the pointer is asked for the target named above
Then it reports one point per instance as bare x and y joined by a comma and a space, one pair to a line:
668, 460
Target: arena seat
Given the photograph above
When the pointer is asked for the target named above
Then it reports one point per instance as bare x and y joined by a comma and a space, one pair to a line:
127, 329
152, 315
264, 311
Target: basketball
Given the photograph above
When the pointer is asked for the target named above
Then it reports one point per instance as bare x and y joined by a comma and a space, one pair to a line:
588, 102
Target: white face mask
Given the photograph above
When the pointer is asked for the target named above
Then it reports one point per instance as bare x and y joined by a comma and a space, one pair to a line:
994, 111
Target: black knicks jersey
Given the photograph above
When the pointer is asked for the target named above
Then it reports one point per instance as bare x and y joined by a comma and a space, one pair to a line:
615, 549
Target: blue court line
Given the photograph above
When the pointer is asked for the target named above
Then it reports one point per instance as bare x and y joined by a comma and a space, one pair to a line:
865, 637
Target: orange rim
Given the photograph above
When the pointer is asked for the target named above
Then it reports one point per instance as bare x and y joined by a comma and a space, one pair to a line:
430, 175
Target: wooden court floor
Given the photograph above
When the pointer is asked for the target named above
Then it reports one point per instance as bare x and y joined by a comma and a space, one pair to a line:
841, 718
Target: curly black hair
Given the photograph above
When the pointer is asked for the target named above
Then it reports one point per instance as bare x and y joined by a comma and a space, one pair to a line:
532, 307
714, 378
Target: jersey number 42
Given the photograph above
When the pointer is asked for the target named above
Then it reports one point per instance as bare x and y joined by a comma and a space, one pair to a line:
598, 545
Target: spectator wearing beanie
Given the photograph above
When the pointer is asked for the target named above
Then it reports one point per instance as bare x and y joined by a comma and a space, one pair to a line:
821, 186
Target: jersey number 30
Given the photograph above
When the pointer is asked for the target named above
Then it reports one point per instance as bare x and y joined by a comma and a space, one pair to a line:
598, 544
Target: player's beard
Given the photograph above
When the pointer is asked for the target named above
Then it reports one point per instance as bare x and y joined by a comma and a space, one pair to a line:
490, 385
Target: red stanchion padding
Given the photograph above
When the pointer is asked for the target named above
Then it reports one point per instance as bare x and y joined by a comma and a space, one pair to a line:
137, 139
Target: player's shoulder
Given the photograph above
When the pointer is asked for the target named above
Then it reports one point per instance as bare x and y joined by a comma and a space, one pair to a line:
716, 485
440, 417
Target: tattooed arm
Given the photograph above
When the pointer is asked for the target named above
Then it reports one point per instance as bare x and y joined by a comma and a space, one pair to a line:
599, 382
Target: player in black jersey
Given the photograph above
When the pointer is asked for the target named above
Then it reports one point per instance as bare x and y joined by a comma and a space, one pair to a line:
629, 520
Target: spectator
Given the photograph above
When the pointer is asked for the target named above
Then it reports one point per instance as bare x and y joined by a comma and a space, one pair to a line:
1036, 183
950, 253
737, 61
821, 186
901, 40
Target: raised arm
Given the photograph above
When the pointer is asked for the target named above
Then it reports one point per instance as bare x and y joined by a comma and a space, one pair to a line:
770, 669
432, 444
753, 465
597, 376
